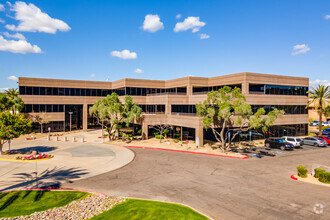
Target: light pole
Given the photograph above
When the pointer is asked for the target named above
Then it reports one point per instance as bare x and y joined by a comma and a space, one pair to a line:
70, 113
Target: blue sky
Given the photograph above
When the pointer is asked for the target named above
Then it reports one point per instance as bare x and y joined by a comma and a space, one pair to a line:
244, 36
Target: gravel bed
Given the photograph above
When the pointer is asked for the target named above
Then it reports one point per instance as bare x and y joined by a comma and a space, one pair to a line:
85, 208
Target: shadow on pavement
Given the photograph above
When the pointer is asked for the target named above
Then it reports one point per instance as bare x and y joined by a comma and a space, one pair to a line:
40, 149
46, 179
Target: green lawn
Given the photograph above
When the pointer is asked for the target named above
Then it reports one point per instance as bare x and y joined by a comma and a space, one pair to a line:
25, 202
143, 209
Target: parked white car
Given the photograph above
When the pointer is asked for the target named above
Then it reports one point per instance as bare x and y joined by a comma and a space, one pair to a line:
296, 142
314, 123
325, 123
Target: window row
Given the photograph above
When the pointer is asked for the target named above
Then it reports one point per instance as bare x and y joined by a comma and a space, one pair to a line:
27, 90
153, 108
203, 90
184, 109
154, 91
277, 90
28, 108
288, 109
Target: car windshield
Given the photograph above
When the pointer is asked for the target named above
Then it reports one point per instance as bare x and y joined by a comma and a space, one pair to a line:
280, 140
320, 138
298, 139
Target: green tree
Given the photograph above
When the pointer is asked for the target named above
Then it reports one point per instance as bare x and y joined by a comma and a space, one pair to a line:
16, 103
320, 98
227, 108
12, 126
5, 104
113, 112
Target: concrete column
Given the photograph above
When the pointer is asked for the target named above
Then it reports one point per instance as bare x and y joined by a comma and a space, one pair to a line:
85, 117
144, 131
199, 133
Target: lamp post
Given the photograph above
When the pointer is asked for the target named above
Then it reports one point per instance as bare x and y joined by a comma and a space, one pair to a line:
70, 113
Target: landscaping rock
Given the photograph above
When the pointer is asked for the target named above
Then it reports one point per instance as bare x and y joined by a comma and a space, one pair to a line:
92, 205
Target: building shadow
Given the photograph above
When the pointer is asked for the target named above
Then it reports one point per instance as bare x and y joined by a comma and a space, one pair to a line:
48, 179
39, 149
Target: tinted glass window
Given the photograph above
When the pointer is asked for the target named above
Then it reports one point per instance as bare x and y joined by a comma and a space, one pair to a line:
42, 108
67, 91
291, 139
55, 91
35, 90
49, 108
42, 91
55, 108
61, 91
36, 108
22, 90
49, 91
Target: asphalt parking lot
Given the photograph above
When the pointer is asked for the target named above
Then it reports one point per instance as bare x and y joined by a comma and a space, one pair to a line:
222, 188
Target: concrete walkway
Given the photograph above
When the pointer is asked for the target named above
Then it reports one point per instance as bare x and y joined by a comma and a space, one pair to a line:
72, 161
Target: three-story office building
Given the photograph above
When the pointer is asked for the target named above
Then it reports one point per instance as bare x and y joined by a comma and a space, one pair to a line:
169, 102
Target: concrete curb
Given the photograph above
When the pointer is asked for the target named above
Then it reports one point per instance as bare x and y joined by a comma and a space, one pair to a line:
183, 151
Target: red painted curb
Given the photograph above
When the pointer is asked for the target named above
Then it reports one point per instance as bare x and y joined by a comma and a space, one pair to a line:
294, 178
41, 189
183, 151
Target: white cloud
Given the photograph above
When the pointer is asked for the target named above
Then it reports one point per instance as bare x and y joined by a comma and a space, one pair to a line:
178, 16
314, 83
138, 70
2, 21
2, 90
204, 36
20, 46
2, 7
189, 23
327, 17
92, 75
13, 78
124, 54
152, 23
32, 19
15, 36
300, 49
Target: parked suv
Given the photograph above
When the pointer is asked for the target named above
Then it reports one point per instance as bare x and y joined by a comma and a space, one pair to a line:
315, 141
278, 143
292, 140
326, 132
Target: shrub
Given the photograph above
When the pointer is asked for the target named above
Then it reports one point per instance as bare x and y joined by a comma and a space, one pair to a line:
166, 131
311, 134
156, 133
176, 141
318, 171
324, 177
302, 171
139, 131
159, 136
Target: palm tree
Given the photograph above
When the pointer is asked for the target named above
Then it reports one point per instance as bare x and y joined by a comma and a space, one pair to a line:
17, 103
320, 97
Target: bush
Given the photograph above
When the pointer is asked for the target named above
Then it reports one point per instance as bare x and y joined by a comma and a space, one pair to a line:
159, 136
176, 141
318, 171
311, 134
302, 171
166, 131
324, 177
156, 133
139, 131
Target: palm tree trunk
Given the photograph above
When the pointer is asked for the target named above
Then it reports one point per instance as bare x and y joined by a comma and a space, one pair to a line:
320, 120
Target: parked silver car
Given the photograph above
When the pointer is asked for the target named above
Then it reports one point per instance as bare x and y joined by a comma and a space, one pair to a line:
292, 140
315, 141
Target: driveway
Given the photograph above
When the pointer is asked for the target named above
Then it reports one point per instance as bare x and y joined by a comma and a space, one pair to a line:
222, 188
71, 161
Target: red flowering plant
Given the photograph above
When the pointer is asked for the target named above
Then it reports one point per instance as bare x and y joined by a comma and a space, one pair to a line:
37, 157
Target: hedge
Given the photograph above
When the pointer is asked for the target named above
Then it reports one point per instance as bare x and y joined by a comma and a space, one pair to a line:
302, 171
324, 177
318, 171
